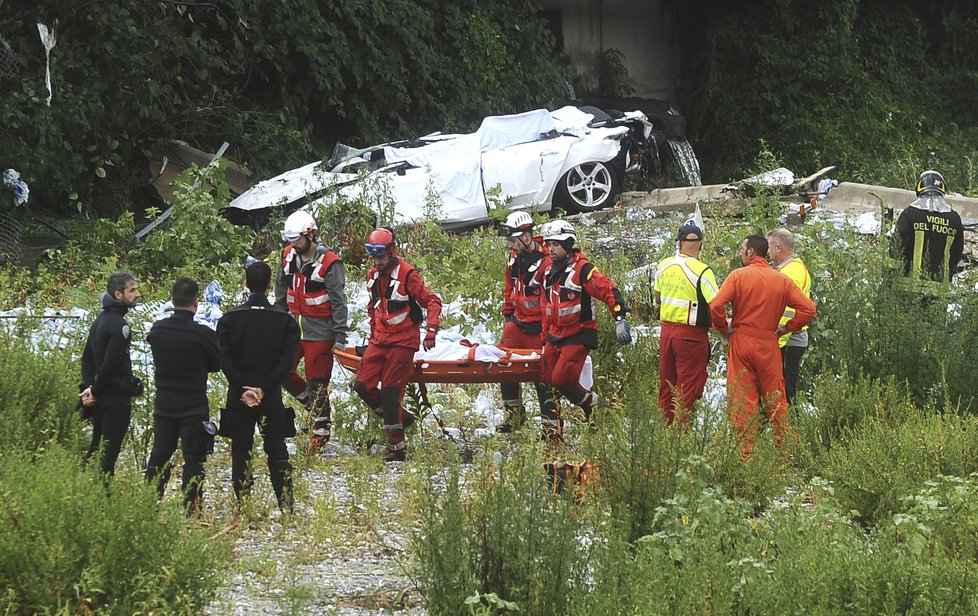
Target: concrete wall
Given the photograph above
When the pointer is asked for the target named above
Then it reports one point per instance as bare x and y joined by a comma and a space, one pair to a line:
641, 30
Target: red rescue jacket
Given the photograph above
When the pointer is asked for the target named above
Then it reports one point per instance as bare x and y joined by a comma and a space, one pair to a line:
571, 290
397, 295
523, 297
306, 292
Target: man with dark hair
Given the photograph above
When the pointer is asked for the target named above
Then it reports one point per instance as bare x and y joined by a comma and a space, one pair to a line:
184, 352
398, 300
758, 295
259, 346
107, 380
311, 285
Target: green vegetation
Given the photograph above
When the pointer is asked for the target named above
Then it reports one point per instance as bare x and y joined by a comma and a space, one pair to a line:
280, 83
883, 90
873, 510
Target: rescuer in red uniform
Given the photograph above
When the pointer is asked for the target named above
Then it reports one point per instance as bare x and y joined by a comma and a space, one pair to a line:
311, 285
572, 286
523, 311
397, 297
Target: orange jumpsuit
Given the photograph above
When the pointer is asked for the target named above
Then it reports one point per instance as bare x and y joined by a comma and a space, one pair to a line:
758, 295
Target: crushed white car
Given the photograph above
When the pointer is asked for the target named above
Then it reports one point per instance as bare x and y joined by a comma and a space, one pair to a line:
572, 158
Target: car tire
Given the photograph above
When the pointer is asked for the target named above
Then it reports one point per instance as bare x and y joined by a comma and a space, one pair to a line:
588, 187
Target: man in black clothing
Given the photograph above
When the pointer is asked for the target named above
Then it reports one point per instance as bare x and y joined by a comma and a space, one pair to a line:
107, 380
183, 353
259, 345
929, 236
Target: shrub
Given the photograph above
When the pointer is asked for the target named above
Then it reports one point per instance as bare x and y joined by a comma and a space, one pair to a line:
884, 460
843, 405
707, 554
69, 545
513, 537
38, 394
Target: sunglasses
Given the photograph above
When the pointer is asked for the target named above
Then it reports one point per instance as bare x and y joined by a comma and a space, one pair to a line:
375, 250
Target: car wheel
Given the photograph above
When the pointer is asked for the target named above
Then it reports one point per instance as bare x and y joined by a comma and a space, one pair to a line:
588, 187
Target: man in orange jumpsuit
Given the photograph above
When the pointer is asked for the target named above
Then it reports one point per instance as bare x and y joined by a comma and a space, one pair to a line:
758, 295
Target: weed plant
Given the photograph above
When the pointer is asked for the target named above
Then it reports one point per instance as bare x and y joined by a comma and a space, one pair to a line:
38, 396
513, 537
708, 554
887, 459
68, 545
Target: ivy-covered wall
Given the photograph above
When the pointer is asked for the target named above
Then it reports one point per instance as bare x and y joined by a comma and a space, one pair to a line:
880, 88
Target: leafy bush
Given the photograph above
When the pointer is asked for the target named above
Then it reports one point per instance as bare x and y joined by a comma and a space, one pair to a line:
513, 537
843, 405
887, 459
38, 394
774, 63
707, 554
283, 81
68, 545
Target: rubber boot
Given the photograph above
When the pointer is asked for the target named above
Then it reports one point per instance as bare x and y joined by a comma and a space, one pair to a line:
395, 449
319, 416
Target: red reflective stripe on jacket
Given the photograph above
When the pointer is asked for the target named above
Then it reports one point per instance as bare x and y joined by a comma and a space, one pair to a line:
571, 301
523, 296
306, 292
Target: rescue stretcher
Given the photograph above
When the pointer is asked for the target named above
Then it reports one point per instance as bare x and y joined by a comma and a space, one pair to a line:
512, 366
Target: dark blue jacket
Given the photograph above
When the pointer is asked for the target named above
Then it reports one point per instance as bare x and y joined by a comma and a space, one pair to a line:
184, 351
105, 363
259, 344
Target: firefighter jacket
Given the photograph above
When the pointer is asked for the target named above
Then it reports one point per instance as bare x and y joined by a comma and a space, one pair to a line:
523, 291
758, 294
572, 288
315, 292
686, 286
105, 362
793, 267
929, 240
397, 296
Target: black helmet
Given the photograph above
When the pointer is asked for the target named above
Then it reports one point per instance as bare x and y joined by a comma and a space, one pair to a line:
930, 181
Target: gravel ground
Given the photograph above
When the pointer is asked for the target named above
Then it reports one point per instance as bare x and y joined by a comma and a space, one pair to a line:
332, 557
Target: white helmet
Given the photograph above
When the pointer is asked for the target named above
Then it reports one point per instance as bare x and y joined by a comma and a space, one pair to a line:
558, 230
298, 223
516, 224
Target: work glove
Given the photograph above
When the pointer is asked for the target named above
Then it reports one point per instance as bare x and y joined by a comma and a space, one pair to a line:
623, 333
338, 346
429, 340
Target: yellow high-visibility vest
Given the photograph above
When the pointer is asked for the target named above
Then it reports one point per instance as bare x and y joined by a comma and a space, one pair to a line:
794, 268
686, 287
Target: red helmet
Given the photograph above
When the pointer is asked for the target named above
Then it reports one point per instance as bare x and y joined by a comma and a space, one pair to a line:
379, 242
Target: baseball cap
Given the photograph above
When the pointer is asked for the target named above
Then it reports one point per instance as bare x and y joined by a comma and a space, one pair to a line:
689, 232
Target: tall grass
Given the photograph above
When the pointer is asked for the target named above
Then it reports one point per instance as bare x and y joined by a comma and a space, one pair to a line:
69, 545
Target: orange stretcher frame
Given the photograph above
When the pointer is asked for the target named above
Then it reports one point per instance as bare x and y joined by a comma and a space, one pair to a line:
468, 370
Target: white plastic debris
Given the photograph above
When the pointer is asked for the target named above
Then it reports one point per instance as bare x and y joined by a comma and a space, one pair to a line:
48, 39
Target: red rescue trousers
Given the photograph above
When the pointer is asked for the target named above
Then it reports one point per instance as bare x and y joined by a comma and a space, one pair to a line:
318, 355
561, 367
754, 373
684, 352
